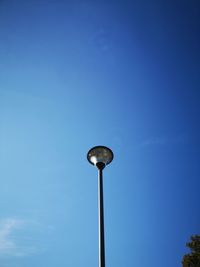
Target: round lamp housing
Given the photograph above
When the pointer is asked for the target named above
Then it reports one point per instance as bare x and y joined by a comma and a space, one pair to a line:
100, 154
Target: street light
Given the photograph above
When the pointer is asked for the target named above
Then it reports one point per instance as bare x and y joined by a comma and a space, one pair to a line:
100, 156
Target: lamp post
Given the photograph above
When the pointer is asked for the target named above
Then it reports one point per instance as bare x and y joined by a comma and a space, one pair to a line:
100, 156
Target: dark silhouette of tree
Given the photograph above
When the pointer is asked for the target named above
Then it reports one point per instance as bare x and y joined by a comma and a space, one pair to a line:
192, 259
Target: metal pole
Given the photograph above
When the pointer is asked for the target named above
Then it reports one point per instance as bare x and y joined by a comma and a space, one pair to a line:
101, 219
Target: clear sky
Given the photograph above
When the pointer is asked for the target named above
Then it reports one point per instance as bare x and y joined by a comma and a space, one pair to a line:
75, 74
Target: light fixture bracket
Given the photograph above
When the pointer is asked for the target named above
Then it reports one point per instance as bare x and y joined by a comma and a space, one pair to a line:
100, 165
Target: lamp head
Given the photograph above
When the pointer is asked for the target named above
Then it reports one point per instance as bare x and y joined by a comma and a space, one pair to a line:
100, 156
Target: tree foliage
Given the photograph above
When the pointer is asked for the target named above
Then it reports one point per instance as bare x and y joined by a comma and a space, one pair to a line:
193, 258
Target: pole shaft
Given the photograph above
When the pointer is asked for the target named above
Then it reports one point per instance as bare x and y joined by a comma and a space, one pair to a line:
101, 220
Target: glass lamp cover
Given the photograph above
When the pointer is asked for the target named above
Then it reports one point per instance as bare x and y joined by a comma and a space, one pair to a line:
100, 154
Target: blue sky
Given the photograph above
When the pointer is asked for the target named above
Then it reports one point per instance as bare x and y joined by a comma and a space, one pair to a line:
75, 74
